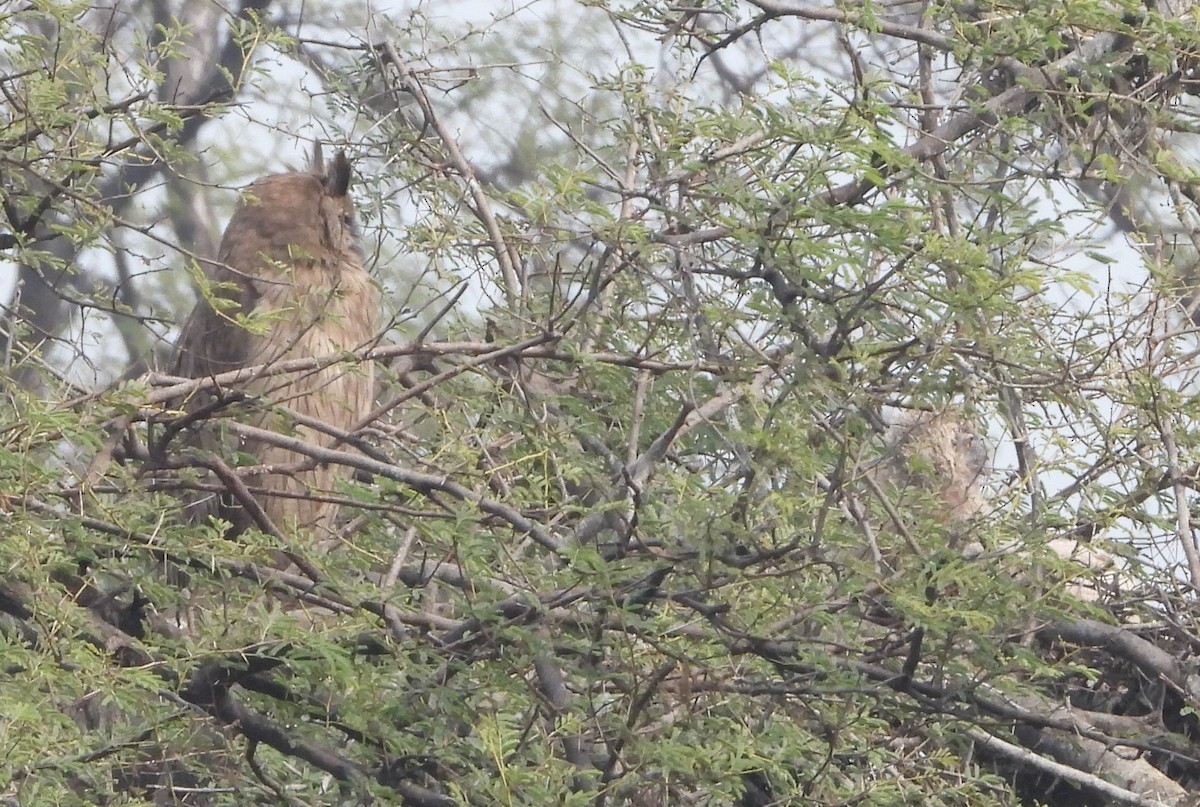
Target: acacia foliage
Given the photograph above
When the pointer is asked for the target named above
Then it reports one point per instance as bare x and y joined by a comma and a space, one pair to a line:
634, 524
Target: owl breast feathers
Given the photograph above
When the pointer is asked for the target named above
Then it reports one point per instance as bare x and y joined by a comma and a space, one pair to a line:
288, 283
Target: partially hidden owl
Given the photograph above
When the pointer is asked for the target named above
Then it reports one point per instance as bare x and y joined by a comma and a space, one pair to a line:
950, 460
288, 283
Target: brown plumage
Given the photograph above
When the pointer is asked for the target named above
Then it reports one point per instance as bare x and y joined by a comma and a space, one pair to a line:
950, 456
291, 278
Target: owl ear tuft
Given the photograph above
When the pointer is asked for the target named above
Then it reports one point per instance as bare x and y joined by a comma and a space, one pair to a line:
337, 180
317, 163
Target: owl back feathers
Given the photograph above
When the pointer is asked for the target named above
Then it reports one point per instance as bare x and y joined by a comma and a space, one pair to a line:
289, 283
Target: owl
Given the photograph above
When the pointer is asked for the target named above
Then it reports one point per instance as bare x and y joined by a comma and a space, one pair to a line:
951, 458
288, 283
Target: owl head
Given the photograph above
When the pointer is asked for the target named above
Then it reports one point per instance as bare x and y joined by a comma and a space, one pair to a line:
287, 220
940, 452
